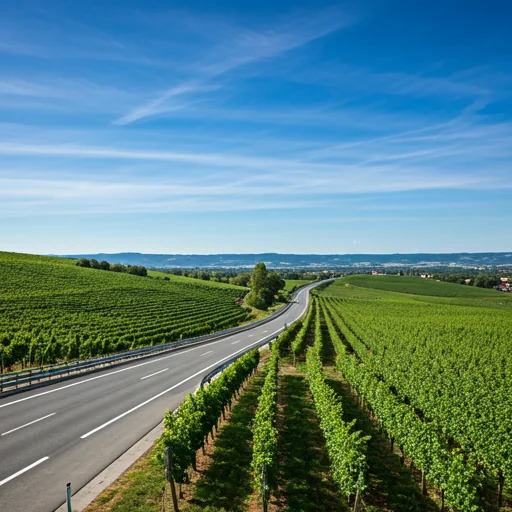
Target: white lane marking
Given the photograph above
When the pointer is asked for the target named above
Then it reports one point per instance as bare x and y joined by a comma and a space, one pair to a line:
33, 465
124, 369
206, 353
264, 332
94, 378
106, 424
31, 423
156, 373
235, 342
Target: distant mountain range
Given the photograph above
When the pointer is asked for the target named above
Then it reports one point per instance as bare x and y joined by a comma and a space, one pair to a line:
308, 261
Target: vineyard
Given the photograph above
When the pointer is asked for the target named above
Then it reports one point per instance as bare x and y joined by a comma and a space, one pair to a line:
430, 379
52, 310
436, 375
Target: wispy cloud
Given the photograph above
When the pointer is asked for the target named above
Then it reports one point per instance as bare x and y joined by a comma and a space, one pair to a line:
163, 104
239, 47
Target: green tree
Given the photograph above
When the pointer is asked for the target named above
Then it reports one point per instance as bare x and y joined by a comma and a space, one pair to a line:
275, 283
83, 262
104, 265
264, 287
259, 278
242, 279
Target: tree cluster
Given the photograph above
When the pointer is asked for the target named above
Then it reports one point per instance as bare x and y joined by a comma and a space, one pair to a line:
264, 287
478, 280
136, 270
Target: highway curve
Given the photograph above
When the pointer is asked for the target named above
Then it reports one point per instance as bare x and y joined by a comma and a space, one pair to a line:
71, 431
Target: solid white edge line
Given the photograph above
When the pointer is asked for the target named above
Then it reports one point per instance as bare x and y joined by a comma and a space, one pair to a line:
206, 353
31, 423
156, 373
21, 471
106, 424
124, 369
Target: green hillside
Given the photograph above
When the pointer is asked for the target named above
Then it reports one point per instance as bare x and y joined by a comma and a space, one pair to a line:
419, 286
190, 280
50, 310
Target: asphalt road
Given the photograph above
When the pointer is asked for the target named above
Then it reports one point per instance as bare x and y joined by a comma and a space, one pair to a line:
71, 431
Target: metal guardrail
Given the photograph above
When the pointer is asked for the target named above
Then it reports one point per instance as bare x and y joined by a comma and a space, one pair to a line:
27, 379
209, 376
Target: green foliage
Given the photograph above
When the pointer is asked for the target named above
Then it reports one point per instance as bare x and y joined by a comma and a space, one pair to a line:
259, 278
422, 441
299, 342
136, 270
486, 281
264, 287
450, 360
264, 431
51, 310
346, 447
275, 283
242, 279
187, 427
416, 286
258, 300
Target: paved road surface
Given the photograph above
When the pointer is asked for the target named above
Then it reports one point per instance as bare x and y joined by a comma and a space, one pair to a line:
71, 431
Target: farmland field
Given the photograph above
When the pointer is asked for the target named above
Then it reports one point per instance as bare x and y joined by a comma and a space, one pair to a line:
442, 353
292, 284
51, 310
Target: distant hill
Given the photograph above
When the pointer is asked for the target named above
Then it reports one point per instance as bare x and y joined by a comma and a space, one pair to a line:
312, 261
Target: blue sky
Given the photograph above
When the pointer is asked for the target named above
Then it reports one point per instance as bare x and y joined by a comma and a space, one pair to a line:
251, 126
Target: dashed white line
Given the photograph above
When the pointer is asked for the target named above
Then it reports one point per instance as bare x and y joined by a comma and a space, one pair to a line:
31, 423
213, 365
181, 352
156, 373
235, 342
33, 465
206, 353
97, 377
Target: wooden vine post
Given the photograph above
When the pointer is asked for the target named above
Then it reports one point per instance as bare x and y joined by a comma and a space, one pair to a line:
170, 478
356, 501
501, 483
264, 487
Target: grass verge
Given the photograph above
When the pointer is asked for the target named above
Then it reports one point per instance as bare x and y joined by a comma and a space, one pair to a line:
140, 488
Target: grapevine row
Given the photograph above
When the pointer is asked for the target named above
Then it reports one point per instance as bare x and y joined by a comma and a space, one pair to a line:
346, 447
264, 458
447, 469
187, 429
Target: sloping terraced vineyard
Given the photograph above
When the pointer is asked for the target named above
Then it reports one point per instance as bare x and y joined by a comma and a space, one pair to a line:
51, 310
435, 365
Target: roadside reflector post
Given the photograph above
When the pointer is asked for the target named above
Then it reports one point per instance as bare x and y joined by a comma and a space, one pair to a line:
68, 496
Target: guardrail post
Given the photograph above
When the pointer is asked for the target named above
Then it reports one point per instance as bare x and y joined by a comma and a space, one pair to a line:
68, 496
